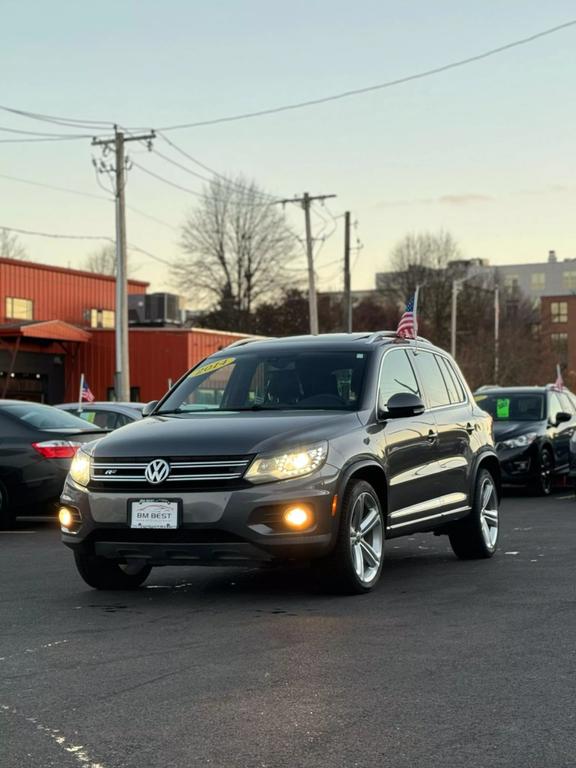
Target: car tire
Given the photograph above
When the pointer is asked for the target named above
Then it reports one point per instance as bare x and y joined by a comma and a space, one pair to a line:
101, 573
355, 564
476, 536
545, 466
7, 517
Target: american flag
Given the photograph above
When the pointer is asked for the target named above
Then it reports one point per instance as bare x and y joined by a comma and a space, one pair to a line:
408, 325
86, 393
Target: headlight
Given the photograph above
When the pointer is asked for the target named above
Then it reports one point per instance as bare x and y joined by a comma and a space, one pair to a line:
283, 466
522, 441
80, 468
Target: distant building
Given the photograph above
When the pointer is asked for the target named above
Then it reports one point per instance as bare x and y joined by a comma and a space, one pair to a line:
535, 280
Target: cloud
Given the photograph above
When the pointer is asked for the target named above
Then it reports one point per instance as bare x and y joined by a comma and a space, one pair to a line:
469, 199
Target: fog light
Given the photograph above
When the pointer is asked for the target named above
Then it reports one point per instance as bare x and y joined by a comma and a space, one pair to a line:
298, 517
66, 518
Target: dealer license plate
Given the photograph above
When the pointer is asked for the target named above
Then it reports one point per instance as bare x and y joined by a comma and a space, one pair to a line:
153, 513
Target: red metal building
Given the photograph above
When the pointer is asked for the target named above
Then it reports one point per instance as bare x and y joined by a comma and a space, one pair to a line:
57, 323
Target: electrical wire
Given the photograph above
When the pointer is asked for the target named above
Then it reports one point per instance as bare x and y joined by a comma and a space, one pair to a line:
47, 138
377, 86
52, 187
167, 181
58, 120
58, 236
45, 134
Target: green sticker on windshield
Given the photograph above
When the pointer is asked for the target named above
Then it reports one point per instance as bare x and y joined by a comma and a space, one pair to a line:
503, 408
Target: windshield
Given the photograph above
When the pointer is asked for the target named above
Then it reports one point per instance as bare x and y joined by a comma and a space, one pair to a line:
45, 417
303, 380
512, 406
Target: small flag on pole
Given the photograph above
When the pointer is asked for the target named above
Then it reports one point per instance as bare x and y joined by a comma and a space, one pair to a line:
559, 383
408, 324
85, 395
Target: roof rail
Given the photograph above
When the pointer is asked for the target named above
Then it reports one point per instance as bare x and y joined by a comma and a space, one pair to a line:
242, 342
378, 335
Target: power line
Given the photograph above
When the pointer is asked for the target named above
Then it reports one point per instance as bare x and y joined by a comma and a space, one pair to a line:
167, 181
377, 86
58, 236
54, 188
204, 166
47, 138
58, 120
44, 133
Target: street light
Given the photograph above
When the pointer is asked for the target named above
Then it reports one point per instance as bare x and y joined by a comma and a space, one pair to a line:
456, 284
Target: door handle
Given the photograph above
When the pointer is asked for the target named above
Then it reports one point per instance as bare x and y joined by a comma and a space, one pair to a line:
432, 435
470, 428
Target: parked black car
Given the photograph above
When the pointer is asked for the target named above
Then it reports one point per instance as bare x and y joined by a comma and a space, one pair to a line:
108, 415
37, 444
315, 448
533, 427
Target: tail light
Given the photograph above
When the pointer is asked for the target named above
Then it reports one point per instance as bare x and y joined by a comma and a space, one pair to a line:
56, 449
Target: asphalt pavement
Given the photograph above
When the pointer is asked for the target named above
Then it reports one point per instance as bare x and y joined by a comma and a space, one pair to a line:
446, 664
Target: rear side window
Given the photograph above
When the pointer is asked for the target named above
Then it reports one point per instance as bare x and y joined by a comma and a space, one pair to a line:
396, 375
432, 379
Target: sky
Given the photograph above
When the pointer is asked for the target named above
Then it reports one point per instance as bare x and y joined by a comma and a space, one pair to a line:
484, 151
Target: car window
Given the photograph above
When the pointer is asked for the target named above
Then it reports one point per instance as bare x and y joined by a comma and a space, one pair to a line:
396, 375
43, 416
504, 405
432, 379
277, 380
554, 406
567, 405
452, 379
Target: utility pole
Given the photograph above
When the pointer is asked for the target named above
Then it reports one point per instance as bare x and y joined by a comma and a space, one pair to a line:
496, 333
347, 291
455, 289
122, 368
305, 201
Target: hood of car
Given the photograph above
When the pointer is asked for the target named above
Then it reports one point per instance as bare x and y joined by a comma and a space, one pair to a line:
223, 434
505, 430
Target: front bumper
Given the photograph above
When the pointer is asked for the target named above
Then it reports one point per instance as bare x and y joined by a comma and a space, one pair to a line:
219, 527
518, 465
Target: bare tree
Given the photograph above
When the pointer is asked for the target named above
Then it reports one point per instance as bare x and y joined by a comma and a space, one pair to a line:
102, 261
10, 246
425, 259
236, 246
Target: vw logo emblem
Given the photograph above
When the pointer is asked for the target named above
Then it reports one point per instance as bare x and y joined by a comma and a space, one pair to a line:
157, 471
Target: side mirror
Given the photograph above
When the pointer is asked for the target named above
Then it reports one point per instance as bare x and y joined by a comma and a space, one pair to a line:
149, 407
403, 404
563, 416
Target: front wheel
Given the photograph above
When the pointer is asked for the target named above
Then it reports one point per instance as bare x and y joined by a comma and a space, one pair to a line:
543, 482
476, 536
101, 573
355, 564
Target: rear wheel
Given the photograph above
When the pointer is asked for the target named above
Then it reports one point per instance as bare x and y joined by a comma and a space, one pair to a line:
101, 573
543, 482
476, 536
7, 518
355, 564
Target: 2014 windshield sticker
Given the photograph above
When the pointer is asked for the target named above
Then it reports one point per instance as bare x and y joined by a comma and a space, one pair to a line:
211, 367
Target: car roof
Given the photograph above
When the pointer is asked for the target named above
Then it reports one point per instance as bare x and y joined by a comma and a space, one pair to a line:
329, 342
526, 389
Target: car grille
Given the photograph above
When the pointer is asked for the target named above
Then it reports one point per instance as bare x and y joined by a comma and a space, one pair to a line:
185, 472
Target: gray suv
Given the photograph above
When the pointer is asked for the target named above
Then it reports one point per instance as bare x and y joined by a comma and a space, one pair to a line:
313, 448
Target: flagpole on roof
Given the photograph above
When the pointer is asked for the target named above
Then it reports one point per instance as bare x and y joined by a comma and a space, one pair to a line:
416, 292
80, 392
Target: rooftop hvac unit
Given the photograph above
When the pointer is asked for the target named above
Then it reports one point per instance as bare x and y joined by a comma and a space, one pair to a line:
137, 309
163, 309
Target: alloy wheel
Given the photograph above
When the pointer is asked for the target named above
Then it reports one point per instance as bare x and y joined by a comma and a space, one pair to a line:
366, 537
489, 512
